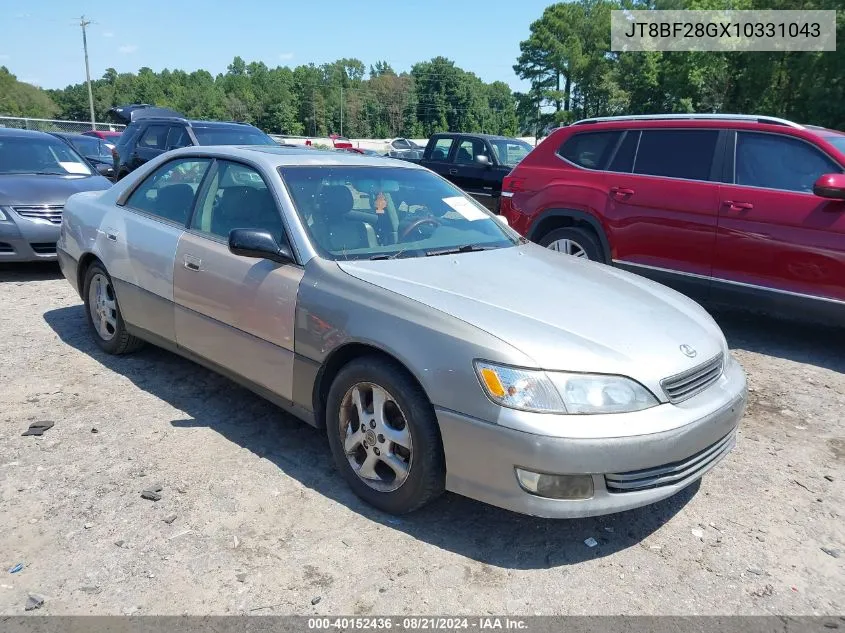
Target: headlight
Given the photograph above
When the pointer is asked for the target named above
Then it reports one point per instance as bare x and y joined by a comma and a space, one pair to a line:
519, 388
558, 392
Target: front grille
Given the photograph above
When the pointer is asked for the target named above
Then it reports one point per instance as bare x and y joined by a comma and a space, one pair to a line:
670, 474
6, 248
685, 385
51, 213
44, 248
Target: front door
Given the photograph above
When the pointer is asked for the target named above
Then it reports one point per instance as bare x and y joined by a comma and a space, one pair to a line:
774, 233
237, 312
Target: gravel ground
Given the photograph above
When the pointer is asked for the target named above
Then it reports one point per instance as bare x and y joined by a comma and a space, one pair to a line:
264, 525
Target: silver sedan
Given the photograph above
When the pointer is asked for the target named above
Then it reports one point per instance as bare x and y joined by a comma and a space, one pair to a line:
439, 350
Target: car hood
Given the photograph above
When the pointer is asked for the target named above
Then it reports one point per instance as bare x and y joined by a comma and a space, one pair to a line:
53, 190
565, 313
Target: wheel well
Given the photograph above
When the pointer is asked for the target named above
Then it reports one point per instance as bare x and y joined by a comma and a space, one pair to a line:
570, 219
84, 262
337, 361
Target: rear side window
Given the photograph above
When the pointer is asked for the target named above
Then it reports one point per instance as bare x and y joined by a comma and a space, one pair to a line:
676, 153
128, 134
441, 149
590, 149
170, 190
154, 137
779, 162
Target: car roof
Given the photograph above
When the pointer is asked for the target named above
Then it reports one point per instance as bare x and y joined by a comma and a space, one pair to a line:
18, 133
74, 135
278, 156
489, 137
193, 122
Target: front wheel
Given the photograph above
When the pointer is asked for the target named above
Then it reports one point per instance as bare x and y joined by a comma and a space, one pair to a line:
103, 313
384, 436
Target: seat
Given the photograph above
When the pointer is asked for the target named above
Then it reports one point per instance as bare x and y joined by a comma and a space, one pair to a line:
175, 202
337, 232
246, 207
464, 156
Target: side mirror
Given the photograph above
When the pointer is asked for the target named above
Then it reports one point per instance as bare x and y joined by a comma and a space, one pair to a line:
104, 169
481, 159
830, 186
258, 244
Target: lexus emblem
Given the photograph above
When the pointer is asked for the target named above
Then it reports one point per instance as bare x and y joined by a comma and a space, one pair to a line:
688, 350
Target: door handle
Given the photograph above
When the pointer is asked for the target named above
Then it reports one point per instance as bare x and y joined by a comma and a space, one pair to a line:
111, 234
453, 172
738, 206
621, 192
192, 263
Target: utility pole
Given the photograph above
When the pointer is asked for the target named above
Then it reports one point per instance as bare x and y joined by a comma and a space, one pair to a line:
341, 109
83, 23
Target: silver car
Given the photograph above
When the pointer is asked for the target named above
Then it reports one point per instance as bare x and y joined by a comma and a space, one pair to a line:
37, 174
438, 348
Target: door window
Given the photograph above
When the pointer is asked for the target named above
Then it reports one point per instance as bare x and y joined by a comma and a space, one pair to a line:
676, 153
154, 137
442, 147
178, 137
237, 198
170, 190
778, 162
469, 149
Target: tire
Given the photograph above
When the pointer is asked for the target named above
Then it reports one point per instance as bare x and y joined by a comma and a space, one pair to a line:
120, 340
584, 240
426, 471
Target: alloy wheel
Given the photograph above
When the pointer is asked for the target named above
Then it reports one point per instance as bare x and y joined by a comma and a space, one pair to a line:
568, 247
103, 306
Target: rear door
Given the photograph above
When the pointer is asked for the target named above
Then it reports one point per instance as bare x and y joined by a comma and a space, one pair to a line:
141, 241
237, 312
663, 215
471, 176
440, 158
774, 234
151, 143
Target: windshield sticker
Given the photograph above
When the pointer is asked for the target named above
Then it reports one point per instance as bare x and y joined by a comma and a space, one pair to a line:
73, 167
466, 208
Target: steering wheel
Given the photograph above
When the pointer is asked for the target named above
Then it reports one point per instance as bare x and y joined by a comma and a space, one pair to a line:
413, 226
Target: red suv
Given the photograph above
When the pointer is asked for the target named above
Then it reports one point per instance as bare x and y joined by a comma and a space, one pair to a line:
728, 209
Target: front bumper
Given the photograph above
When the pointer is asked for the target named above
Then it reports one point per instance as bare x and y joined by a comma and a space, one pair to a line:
481, 458
23, 240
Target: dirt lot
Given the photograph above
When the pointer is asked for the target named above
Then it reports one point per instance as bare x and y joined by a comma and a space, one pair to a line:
264, 525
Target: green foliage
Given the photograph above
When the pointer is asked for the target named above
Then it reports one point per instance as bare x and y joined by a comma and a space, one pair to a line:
567, 60
22, 99
378, 103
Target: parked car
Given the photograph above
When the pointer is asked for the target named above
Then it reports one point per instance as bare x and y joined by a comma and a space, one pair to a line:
95, 150
398, 146
37, 174
477, 163
340, 142
578, 390
737, 210
149, 136
109, 136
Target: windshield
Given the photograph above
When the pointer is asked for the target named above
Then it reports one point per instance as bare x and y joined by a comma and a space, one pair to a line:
510, 151
382, 212
38, 155
87, 145
232, 136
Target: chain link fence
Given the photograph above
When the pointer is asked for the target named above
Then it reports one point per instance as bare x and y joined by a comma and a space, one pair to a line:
53, 125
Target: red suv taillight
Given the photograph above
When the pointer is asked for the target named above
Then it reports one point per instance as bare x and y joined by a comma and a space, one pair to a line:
513, 184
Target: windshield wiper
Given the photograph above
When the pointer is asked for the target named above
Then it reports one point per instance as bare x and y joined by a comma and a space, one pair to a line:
467, 248
393, 256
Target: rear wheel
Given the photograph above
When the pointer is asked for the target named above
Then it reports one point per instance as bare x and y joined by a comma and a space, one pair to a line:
574, 241
384, 436
103, 313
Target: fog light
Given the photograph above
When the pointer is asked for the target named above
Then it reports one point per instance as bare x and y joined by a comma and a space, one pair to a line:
555, 486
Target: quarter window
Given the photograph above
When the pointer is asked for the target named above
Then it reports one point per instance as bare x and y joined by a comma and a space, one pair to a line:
676, 153
591, 149
170, 190
237, 198
778, 162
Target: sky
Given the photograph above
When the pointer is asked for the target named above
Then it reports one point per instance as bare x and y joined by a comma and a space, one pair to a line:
41, 40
